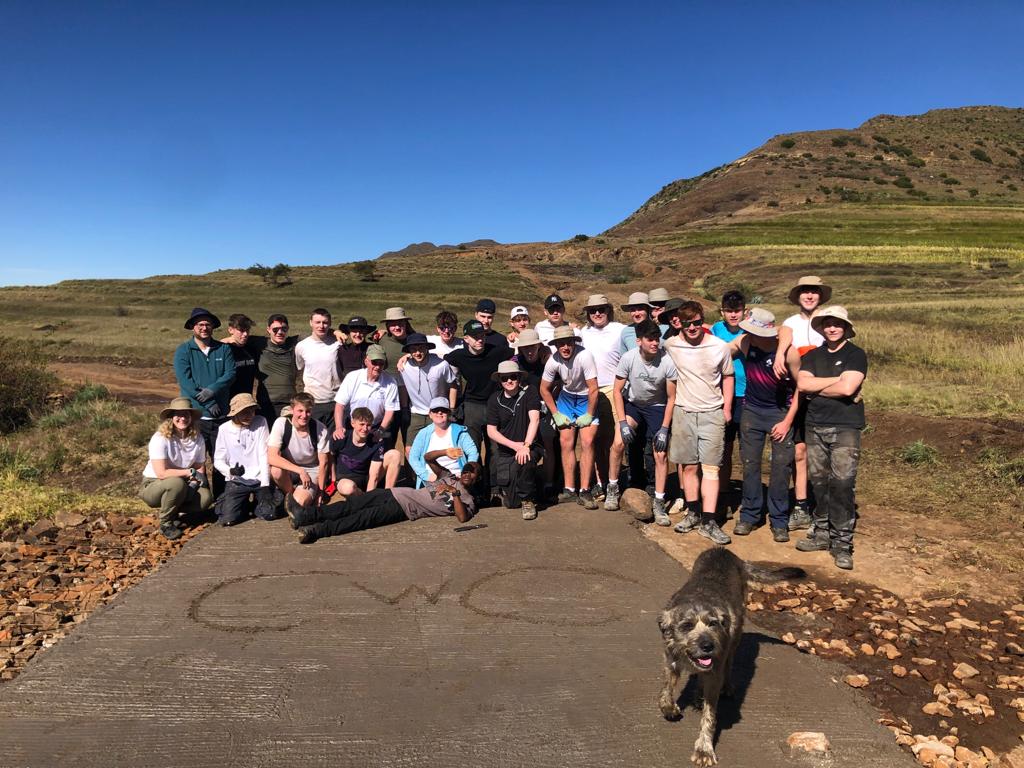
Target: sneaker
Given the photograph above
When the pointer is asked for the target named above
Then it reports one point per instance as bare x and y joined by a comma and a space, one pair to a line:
843, 559
813, 544
742, 528
799, 519
711, 530
660, 515
679, 505
780, 535
586, 499
688, 523
598, 491
566, 495
170, 531
308, 536
529, 510
611, 499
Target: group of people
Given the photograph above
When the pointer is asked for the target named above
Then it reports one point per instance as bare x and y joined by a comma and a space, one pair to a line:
406, 425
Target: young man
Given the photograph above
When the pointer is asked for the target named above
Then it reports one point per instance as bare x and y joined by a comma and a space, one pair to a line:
241, 457
372, 388
446, 340
703, 407
734, 307
275, 354
519, 320
359, 459
353, 349
426, 376
447, 496
601, 336
651, 376
513, 424
554, 312
442, 443
298, 451
239, 327
770, 411
205, 369
639, 308
531, 356
485, 309
397, 326
657, 298
809, 294
574, 411
831, 377
316, 358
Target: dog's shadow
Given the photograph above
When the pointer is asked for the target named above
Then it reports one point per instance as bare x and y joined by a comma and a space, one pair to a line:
743, 668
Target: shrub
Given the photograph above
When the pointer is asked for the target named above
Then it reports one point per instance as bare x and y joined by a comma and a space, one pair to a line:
877, 157
999, 466
599, 241
598, 268
24, 383
919, 454
980, 154
787, 143
900, 150
581, 238
367, 271
276, 276
880, 138
879, 181
120, 311
951, 180
915, 162
972, 192
840, 141
808, 155
850, 154
1012, 187
773, 203
954, 156
904, 183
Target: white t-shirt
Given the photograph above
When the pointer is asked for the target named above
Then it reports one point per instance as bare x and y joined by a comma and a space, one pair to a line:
318, 364
441, 349
423, 383
439, 443
573, 373
546, 330
603, 344
699, 372
300, 447
178, 453
356, 391
246, 446
804, 337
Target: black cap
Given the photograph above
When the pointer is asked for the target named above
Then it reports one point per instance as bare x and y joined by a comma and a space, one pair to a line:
198, 313
554, 300
486, 305
473, 328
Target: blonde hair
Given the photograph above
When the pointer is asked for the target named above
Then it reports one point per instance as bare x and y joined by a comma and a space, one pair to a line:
166, 429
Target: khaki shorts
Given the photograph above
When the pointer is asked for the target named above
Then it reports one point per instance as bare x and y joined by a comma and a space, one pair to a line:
697, 438
605, 393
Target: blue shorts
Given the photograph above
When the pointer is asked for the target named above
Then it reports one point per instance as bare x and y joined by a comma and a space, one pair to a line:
573, 406
648, 416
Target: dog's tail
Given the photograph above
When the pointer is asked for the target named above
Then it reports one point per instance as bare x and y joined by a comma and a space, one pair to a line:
773, 575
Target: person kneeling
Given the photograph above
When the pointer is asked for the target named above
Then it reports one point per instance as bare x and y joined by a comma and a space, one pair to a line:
513, 424
449, 495
443, 444
241, 457
360, 459
298, 451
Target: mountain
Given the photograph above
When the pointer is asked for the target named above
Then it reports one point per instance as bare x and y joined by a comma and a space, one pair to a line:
418, 249
969, 155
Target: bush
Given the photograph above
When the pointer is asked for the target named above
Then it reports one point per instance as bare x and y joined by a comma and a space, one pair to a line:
276, 276
787, 143
598, 268
120, 311
24, 383
880, 138
904, 183
581, 238
877, 157
367, 271
840, 141
980, 154
915, 162
773, 203
919, 454
954, 156
972, 192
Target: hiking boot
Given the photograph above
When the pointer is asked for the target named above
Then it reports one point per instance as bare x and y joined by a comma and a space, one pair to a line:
307, 536
742, 528
566, 495
660, 515
586, 499
679, 505
611, 499
598, 492
688, 523
800, 518
843, 559
711, 530
529, 510
302, 516
170, 531
813, 544
780, 535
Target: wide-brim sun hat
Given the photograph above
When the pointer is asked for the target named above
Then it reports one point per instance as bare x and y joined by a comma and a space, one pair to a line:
837, 312
198, 313
810, 281
357, 323
526, 338
393, 314
597, 300
240, 402
564, 333
637, 299
658, 294
760, 322
505, 367
177, 405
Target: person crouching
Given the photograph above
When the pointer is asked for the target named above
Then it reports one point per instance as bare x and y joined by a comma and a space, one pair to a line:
241, 457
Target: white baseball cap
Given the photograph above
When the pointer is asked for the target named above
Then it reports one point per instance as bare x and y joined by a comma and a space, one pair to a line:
519, 310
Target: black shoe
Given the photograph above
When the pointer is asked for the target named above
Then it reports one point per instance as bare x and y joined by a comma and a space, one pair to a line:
743, 528
308, 536
170, 531
780, 535
813, 544
800, 518
586, 500
843, 559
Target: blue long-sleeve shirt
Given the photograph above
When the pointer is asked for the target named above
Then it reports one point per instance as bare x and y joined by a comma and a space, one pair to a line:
196, 370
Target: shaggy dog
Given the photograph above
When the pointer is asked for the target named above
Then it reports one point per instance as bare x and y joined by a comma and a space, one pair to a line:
702, 625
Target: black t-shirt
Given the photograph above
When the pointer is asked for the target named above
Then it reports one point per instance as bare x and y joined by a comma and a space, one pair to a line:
351, 459
476, 370
245, 370
497, 339
350, 357
511, 414
835, 411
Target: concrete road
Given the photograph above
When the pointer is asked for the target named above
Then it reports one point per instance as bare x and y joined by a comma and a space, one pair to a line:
517, 644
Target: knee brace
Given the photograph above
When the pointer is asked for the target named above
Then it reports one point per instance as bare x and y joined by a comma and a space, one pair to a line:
710, 471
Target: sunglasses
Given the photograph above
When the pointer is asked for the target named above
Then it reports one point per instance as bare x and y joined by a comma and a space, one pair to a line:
446, 327
690, 323
597, 310
509, 377
279, 329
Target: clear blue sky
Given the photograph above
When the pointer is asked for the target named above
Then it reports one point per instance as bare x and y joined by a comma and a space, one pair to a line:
144, 137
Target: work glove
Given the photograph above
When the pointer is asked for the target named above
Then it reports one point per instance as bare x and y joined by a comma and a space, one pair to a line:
237, 471
213, 409
627, 432
561, 420
383, 435
661, 440
204, 394
584, 420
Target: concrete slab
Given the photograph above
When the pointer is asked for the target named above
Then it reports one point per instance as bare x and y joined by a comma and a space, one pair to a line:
517, 644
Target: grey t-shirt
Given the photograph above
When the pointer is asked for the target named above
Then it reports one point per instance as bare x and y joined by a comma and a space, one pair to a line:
646, 380
427, 502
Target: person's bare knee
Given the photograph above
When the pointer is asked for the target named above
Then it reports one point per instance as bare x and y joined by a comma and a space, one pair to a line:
345, 487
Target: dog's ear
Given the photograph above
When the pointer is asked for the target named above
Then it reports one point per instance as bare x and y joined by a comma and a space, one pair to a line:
665, 622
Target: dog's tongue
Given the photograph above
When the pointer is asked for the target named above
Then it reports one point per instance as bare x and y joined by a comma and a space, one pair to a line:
704, 662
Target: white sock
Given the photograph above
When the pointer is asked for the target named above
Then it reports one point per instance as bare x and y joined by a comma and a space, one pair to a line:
659, 496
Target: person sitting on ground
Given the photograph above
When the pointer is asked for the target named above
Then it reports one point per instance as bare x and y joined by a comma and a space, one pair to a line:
770, 410
426, 376
359, 460
574, 411
442, 443
513, 424
371, 388
298, 452
531, 355
650, 376
239, 327
450, 495
174, 480
356, 334
639, 308
520, 321
241, 457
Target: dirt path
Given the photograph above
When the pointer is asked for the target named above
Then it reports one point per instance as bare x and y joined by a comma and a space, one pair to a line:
133, 384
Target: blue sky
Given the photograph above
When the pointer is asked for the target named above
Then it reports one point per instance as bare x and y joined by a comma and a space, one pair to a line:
142, 138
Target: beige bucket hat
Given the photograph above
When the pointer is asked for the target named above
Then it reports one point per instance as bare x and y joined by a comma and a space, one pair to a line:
505, 368
180, 404
637, 299
526, 338
658, 294
837, 312
395, 313
240, 402
810, 281
597, 300
760, 322
562, 333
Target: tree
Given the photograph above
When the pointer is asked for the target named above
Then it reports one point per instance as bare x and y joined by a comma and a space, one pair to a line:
276, 276
367, 271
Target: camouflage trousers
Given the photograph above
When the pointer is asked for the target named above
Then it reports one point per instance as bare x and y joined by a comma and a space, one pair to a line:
832, 456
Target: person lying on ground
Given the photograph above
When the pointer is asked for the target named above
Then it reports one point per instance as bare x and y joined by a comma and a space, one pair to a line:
241, 457
298, 452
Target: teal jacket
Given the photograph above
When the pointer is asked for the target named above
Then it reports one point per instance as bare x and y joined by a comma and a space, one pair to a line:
215, 371
460, 439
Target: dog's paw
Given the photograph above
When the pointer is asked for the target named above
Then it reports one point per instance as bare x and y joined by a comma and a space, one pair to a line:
670, 710
703, 758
